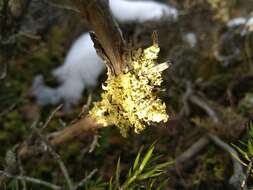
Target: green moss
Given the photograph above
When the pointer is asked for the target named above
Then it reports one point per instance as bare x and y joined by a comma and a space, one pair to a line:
246, 104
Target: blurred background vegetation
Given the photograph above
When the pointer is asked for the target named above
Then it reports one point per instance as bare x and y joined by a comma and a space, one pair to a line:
204, 94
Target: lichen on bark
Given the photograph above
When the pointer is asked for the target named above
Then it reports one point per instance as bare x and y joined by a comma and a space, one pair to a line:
130, 99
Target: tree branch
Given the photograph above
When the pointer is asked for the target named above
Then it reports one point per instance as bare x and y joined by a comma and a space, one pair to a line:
83, 181
108, 39
237, 178
31, 179
70, 133
192, 150
56, 156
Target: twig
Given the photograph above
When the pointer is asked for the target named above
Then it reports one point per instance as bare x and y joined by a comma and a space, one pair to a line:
56, 156
94, 143
197, 101
26, 150
244, 182
237, 178
84, 110
86, 106
28, 35
31, 179
51, 116
192, 151
159, 68
22, 173
85, 179
187, 94
108, 39
67, 134
8, 110
3, 72
226, 59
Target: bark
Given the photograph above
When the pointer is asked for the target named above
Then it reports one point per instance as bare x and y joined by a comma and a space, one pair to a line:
73, 132
107, 38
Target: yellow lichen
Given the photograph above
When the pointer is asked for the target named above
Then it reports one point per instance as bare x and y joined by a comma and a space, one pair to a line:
130, 99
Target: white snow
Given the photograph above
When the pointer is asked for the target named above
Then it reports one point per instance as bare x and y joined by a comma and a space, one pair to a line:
249, 22
191, 39
81, 63
235, 22
44, 94
81, 69
239, 21
141, 11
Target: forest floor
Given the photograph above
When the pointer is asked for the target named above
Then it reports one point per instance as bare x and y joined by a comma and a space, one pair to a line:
204, 93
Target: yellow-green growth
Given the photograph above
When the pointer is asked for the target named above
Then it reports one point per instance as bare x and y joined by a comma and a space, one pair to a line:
130, 99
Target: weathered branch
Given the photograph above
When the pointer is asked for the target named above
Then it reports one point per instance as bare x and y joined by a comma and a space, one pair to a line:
192, 151
31, 180
108, 39
238, 175
197, 101
75, 131
84, 180
62, 137
56, 156
237, 178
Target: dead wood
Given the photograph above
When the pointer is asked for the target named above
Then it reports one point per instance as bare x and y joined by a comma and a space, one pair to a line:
64, 136
107, 38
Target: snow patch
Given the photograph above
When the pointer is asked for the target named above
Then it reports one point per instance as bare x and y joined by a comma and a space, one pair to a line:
191, 39
241, 21
141, 11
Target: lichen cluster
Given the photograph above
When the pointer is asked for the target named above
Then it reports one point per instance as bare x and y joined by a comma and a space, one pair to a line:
130, 99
